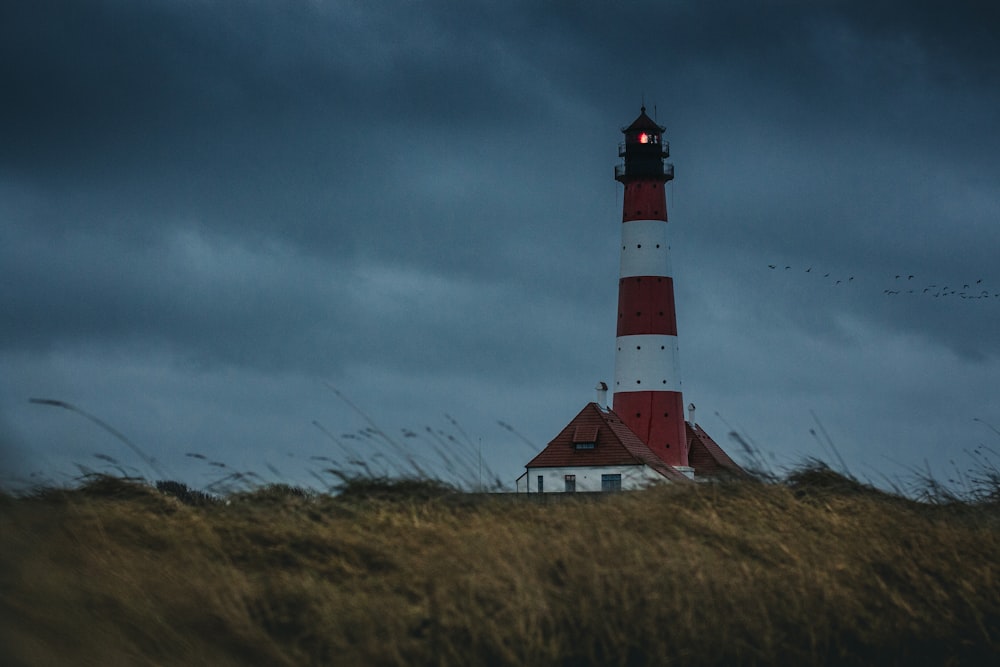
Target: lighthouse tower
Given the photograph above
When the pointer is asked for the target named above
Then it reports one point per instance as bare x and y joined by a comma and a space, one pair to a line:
644, 439
647, 386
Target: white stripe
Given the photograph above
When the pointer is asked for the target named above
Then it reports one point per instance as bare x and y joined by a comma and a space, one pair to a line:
644, 249
647, 362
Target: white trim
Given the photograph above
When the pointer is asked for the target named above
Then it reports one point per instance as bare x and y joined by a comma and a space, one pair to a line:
647, 362
645, 251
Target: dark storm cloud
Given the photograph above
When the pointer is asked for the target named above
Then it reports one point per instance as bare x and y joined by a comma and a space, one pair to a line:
135, 123
197, 109
130, 77
265, 307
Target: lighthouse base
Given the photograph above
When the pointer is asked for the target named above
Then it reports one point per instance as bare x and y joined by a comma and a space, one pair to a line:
657, 417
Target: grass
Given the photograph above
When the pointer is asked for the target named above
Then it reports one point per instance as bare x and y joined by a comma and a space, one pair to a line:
814, 569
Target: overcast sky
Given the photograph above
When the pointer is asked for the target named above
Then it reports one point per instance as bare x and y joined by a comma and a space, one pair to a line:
213, 212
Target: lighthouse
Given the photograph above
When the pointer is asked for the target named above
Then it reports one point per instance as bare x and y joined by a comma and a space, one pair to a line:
644, 438
647, 384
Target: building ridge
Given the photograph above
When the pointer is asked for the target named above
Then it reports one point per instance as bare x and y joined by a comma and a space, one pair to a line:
613, 444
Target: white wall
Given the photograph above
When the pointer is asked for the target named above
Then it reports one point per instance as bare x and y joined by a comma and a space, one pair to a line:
588, 479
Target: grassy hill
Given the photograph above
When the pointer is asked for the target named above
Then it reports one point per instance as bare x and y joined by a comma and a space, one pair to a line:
814, 569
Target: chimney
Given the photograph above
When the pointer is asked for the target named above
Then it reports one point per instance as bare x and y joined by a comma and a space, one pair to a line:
691, 413
602, 394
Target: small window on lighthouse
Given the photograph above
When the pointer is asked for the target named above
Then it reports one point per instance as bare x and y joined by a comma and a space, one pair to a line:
643, 138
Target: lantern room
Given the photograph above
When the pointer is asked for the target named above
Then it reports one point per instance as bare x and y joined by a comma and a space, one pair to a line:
643, 151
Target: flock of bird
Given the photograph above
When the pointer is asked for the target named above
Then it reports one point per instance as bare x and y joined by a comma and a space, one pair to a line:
903, 284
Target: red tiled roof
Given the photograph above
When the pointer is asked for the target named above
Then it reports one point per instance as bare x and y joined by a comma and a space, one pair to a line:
585, 433
614, 444
707, 457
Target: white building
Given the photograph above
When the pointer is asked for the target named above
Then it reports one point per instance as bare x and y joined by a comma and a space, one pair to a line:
597, 451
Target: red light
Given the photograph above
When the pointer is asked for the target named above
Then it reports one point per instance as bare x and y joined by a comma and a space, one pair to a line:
643, 138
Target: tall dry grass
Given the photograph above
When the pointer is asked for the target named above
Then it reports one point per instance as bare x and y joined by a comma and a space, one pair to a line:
815, 570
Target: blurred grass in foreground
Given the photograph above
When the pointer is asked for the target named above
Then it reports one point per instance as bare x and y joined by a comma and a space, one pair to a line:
816, 568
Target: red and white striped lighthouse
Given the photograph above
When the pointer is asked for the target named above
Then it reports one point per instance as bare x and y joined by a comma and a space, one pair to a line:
647, 388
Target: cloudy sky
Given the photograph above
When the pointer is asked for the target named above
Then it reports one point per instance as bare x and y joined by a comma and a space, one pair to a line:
215, 214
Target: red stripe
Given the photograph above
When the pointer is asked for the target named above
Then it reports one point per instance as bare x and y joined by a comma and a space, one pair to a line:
657, 417
644, 200
646, 306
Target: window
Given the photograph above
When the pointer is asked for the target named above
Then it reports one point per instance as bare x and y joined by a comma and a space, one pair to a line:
541, 483
610, 483
570, 483
585, 437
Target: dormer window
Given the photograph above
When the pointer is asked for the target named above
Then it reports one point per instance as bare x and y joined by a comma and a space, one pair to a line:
585, 437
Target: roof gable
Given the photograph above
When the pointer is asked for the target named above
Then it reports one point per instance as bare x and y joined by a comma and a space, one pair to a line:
707, 457
614, 444
644, 123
